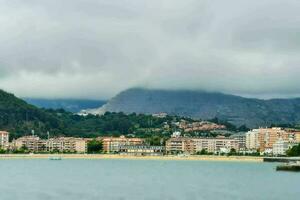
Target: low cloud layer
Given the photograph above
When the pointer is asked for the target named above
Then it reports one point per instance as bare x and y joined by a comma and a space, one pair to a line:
96, 48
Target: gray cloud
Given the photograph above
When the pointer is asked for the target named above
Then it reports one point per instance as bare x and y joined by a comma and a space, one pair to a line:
96, 48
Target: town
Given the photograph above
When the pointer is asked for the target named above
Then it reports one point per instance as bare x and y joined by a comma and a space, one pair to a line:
274, 141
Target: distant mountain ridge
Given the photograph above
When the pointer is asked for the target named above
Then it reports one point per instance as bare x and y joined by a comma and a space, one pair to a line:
205, 105
71, 105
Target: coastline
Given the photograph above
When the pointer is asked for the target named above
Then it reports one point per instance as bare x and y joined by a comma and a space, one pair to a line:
130, 157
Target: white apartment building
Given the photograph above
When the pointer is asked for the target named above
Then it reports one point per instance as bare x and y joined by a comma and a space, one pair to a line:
4, 139
32, 143
280, 147
252, 139
217, 144
60, 144
194, 145
68, 144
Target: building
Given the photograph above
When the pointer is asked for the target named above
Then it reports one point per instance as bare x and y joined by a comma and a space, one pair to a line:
60, 144
241, 138
31, 143
142, 150
194, 145
216, 145
176, 145
199, 126
280, 147
294, 136
264, 139
113, 144
297, 137
252, 140
66, 144
4, 139
268, 136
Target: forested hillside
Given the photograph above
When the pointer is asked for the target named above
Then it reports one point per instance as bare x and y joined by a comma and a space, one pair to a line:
206, 105
20, 118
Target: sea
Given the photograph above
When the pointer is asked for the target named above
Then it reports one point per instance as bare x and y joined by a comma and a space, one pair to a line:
42, 179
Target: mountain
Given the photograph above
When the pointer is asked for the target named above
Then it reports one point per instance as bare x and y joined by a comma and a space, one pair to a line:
71, 105
205, 105
20, 118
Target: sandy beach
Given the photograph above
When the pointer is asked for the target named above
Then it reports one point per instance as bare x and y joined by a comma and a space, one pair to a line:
110, 156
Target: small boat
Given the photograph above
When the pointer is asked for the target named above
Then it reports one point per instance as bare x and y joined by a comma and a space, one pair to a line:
293, 167
55, 158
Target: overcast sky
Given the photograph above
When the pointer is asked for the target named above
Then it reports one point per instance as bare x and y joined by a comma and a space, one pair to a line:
97, 48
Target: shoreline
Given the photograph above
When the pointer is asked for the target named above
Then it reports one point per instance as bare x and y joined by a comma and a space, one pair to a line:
130, 157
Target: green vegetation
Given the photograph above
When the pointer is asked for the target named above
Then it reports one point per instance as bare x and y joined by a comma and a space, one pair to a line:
156, 140
20, 118
232, 152
294, 151
204, 152
2, 151
94, 146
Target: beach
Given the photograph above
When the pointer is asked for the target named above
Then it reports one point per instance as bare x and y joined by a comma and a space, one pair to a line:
130, 157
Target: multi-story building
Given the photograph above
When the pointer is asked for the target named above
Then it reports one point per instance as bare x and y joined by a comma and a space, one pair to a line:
179, 145
4, 139
268, 136
295, 135
215, 145
194, 145
207, 144
241, 138
61, 144
32, 143
268, 140
66, 144
112, 144
280, 147
252, 140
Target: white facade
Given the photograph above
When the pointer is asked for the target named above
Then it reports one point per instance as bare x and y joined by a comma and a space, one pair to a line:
252, 139
214, 145
4, 139
280, 147
66, 144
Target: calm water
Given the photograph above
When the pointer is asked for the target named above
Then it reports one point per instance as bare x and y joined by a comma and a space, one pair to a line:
140, 179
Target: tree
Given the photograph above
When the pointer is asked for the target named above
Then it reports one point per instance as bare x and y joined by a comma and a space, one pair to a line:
94, 146
232, 152
203, 152
2, 151
294, 151
155, 140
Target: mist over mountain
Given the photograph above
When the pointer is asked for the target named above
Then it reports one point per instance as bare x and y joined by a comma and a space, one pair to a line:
205, 105
71, 105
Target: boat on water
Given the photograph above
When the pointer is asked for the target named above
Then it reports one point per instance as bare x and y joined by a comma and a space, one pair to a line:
293, 167
55, 158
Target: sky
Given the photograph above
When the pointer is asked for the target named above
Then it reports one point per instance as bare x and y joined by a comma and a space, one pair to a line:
94, 49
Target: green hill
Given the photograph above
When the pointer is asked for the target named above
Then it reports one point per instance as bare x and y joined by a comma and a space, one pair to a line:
20, 118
